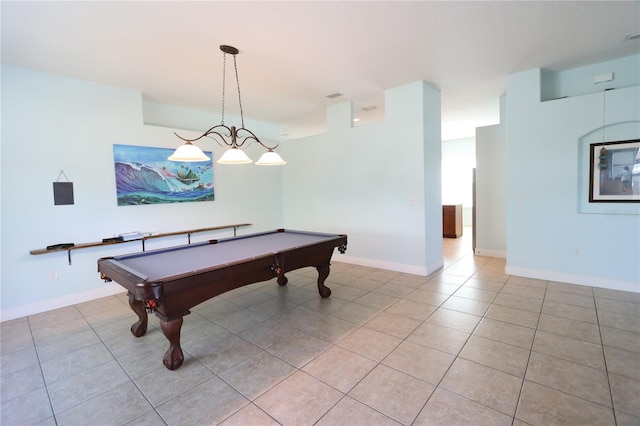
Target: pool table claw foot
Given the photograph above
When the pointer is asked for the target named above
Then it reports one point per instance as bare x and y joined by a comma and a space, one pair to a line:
139, 328
324, 291
323, 273
282, 280
174, 357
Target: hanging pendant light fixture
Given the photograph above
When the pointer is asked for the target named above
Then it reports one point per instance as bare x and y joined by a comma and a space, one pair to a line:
603, 164
230, 137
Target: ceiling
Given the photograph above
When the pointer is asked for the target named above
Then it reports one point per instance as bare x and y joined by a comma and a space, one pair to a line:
294, 54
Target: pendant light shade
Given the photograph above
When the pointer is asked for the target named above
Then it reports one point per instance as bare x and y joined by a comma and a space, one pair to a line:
188, 153
270, 158
234, 156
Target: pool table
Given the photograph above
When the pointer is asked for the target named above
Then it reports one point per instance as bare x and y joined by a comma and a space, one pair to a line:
172, 280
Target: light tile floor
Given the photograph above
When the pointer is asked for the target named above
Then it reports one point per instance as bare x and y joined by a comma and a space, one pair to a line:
467, 345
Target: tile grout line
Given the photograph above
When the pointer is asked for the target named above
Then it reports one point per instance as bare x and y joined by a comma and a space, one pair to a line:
131, 379
437, 386
575, 362
526, 368
44, 381
378, 363
604, 357
457, 356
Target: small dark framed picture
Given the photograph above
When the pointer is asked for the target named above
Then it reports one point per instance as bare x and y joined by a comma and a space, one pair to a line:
615, 172
62, 193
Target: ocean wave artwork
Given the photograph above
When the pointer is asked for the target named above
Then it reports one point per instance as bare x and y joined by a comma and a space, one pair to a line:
145, 176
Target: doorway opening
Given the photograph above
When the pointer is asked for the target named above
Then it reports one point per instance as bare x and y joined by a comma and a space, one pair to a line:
458, 197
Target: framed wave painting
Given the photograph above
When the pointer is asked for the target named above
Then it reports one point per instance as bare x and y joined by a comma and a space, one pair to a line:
145, 176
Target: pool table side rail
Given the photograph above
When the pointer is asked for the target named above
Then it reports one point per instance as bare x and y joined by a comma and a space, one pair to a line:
312, 254
280, 230
119, 272
332, 240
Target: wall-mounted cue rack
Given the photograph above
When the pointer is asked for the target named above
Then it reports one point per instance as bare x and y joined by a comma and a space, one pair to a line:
142, 239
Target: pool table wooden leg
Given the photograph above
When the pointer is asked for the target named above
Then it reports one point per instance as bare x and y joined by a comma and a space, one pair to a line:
173, 358
139, 328
323, 273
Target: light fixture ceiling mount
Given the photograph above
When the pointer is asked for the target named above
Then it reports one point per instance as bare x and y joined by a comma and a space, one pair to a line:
229, 49
230, 137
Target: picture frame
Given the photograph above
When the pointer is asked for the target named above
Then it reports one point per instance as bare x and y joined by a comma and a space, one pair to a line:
614, 172
62, 193
144, 175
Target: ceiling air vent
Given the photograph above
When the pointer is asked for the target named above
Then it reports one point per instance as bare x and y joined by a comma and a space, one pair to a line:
334, 95
369, 108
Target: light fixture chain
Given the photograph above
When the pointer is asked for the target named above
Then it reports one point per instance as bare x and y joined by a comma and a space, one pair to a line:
224, 72
604, 112
235, 65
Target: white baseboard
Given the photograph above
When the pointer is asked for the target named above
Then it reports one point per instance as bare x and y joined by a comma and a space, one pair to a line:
60, 302
490, 253
390, 266
608, 283
110, 290
435, 266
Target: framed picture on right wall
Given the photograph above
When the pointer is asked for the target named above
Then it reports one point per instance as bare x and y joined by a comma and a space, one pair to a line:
615, 172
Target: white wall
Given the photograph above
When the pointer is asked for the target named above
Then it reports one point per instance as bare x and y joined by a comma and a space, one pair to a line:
379, 183
52, 123
344, 181
491, 190
550, 234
